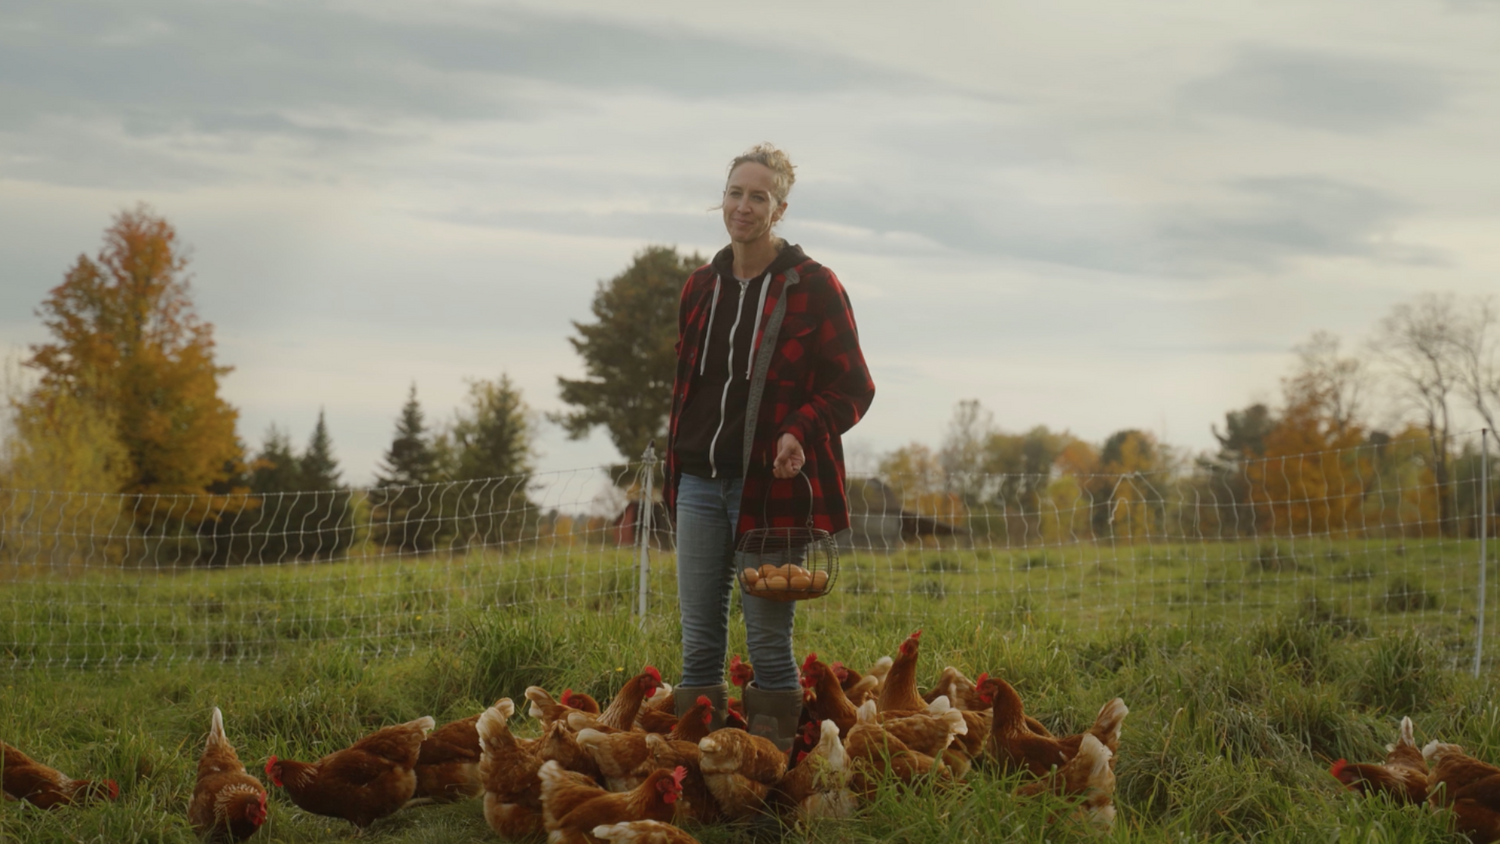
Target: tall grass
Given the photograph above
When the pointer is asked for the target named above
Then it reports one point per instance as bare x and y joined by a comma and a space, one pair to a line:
1229, 737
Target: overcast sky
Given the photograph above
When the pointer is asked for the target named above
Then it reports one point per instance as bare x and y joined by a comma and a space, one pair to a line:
1087, 214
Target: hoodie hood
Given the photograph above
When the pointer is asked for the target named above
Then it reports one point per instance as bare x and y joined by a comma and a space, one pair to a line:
790, 256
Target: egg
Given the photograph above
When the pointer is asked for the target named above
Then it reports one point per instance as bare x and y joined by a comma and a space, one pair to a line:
820, 580
768, 570
796, 569
800, 582
775, 582
751, 575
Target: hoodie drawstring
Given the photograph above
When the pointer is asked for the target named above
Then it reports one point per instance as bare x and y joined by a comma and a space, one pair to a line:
760, 308
709, 331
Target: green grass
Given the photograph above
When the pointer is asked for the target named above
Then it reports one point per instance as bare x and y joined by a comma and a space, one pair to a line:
1237, 708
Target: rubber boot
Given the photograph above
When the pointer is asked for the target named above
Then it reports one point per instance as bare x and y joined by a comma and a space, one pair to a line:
683, 697
773, 715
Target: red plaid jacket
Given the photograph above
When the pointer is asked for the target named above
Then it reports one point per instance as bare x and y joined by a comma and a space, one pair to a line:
810, 380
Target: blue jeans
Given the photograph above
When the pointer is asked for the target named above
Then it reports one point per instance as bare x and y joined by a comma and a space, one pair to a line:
707, 512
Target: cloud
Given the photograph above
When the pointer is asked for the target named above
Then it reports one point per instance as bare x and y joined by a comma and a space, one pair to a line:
318, 80
1277, 220
1326, 91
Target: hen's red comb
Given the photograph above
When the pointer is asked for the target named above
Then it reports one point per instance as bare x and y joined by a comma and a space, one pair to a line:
114, 789
566, 696
651, 671
807, 664
269, 764
1338, 767
678, 774
801, 754
982, 678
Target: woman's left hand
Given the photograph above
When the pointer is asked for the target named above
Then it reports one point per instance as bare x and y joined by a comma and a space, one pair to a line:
789, 457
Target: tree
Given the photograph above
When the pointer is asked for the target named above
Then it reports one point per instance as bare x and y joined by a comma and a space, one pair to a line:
304, 513
1419, 343
490, 441
629, 353
1245, 431
406, 512
319, 468
1332, 386
126, 341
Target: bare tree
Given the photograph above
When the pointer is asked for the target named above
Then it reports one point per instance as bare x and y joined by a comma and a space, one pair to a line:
1479, 360
1335, 385
963, 454
1419, 342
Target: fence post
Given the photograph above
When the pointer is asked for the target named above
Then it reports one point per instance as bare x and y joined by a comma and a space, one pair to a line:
1484, 522
648, 468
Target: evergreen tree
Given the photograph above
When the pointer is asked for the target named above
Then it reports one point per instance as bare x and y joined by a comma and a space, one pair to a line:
406, 510
629, 353
275, 468
320, 470
327, 526
411, 460
490, 442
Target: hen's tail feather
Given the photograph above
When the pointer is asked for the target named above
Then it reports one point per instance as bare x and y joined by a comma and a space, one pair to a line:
493, 722
215, 730
1107, 726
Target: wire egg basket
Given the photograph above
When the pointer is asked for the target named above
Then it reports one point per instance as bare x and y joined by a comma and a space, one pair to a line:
787, 563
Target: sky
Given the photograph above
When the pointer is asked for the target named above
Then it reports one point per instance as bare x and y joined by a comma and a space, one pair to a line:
1085, 214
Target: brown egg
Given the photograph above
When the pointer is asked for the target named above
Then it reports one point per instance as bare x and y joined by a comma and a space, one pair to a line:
768, 570
820, 580
800, 582
751, 575
799, 570
774, 582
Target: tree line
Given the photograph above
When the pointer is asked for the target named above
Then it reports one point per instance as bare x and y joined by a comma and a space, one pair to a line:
126, 400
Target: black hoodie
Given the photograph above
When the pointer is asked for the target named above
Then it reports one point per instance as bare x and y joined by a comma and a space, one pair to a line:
711, 430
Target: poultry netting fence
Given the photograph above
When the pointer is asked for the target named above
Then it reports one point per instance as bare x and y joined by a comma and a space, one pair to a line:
1377, 538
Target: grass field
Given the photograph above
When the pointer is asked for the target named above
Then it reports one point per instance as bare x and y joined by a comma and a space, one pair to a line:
1242, 689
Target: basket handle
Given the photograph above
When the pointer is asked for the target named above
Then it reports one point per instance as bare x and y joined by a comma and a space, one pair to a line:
765, 517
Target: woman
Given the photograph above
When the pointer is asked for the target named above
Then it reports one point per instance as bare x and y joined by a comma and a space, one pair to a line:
769, 375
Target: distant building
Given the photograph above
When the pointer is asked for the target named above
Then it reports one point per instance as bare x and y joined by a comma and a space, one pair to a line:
878, 522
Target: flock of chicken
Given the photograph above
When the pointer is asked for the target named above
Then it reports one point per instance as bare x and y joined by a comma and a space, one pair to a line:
637, 772
1439, 774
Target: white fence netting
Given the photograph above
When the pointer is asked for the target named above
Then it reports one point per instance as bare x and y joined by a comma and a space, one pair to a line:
1376, 538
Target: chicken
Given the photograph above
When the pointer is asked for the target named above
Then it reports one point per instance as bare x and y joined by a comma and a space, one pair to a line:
228, 804
880, 670
362, 783
875, 754
740, 770
658, 713
1402, 777
547, 710
824, 698
928, 732
697, 802
573, 809
621, 757
818, 786
620, 715
987, 707
898, 693
26, 779
959, 689
643, 832
740, 672
508, 772
1469, 787
560, 744
1013, 745
1090, 778
448, 764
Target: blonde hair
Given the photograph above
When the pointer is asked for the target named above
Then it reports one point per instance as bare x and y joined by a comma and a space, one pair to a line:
772, 159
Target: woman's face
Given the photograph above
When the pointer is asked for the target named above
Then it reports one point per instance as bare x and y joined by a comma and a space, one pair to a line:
750, 206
